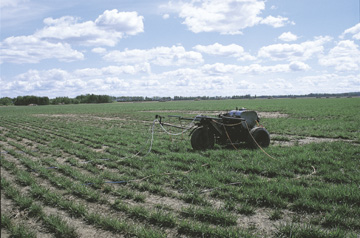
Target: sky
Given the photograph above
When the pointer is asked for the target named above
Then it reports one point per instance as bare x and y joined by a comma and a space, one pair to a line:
179, 48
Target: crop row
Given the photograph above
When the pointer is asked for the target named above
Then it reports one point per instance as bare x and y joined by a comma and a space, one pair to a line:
177, 191
294, 194
78, 149
54, 223
158, 217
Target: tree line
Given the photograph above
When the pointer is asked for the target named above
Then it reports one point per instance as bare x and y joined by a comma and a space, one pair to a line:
34, 100
93, 98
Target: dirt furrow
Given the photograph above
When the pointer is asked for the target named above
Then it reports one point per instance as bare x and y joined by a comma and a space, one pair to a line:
20, 217
82, 228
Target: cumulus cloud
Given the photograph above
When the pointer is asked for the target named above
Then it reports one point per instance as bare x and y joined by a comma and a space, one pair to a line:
125, 22
330, 83
223, 69
163, 56
193, 81
355, 31
276, 22
106, 30
298, 66
231, 50
280, 84
56, 38
345, 56
224, 16
294, 52
99, 50
38, 81
106, 80
215, 79
30, 49
278, 68
288, 36
112, 71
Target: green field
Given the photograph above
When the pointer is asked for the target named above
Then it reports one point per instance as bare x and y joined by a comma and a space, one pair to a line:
85, 171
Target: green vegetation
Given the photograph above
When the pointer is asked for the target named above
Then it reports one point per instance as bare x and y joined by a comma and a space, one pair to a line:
34, 100
88, 160
16, 230
27, 100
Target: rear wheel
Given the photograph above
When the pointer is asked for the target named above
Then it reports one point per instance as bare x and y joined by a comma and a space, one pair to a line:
202, 139
261, 136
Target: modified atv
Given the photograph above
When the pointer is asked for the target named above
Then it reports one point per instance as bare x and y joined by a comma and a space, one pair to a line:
234, 127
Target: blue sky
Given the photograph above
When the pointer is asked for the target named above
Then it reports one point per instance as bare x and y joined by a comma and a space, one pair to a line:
179, 48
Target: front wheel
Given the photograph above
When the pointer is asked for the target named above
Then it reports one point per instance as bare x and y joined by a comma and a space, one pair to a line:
261, 136
202, 139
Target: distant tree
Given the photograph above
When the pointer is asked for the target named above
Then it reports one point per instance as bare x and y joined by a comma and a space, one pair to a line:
93, 98
62, 100
43, 101
6, 101
27, 100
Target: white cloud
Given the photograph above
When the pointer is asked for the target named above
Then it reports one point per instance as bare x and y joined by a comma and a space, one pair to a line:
278, 68
355, 31
188, 81
231, 50
106, 30
345, 56
221, 69
29, 49
112, 71
299, 66
99, 50
46, 75
210, 80
163, 56
294, 52
55, 82
224, 16
280, 84
150, 83
125, 22
330, 83
288, 36
226, 69
166, 16
69, 29
39, 81
276, 22
53, 41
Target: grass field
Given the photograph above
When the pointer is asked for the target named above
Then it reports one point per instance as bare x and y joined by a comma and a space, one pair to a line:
85, 171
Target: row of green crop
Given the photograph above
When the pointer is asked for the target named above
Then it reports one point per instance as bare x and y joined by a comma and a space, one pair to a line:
253, 169
158, 217
54, 223
319, 179
16, 230
89, 154
74, 133
342, 112
75, 209
267, 201
137, 212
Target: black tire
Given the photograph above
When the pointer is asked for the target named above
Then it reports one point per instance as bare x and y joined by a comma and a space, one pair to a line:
202, 139
262, 137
